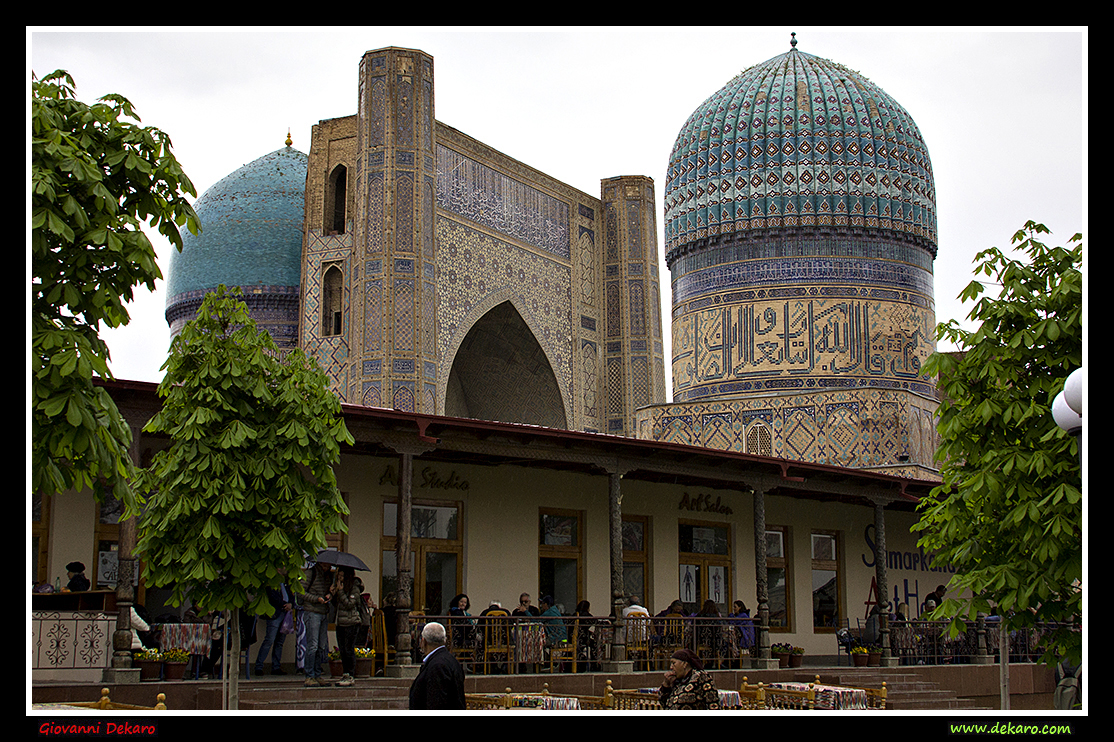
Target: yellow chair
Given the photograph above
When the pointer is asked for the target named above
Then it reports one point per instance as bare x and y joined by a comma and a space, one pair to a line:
566, 652
498, 638
672, 638
638, 638
378, 636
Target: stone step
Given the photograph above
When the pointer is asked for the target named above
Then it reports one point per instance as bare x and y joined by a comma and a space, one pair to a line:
291, 697
903, 690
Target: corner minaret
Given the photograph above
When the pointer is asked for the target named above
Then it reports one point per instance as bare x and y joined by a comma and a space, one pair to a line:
634, 367
394, 354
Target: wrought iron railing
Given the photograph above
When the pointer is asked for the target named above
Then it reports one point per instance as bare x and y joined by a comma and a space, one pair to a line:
71, 640
930, 642
582, 643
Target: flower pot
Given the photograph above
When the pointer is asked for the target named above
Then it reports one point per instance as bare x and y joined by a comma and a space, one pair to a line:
874, 659
795, 660
364, 667
782, 660
860, 660
336, 668
174, 670
149, 669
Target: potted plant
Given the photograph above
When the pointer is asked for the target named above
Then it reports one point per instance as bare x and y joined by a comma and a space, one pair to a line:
859, 656
365, 662
796, 656
336, 667
781, 652
174, 663
874, 655
149, 662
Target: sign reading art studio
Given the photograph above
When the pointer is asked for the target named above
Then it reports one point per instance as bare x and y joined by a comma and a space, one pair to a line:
428, 478
703, 503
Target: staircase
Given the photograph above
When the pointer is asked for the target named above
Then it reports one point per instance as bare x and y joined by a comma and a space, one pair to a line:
903, 690
378, 694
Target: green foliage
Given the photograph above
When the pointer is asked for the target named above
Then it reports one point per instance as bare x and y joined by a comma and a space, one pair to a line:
95, 180
1008, 515
246, 488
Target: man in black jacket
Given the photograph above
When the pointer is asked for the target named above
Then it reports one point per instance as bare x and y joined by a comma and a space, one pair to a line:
440, 682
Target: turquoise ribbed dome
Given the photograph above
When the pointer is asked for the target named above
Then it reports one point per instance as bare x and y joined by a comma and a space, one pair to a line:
251, 225
799, 141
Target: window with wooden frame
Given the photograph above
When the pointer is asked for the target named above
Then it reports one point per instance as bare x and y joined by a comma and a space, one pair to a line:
436, 553
636, 557
40, 536
826, 584
704, 564
560, 556
778, 578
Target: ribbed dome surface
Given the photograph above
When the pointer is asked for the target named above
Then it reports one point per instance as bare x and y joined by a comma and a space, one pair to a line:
799, 141
251, 225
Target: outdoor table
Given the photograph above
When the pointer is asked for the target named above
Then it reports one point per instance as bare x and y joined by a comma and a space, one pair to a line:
195, 638
529, 645
545, 702
728, 699
831, 696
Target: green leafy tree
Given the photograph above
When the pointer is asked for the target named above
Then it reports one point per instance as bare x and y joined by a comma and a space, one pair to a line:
246, 488
1008, 515
96, 178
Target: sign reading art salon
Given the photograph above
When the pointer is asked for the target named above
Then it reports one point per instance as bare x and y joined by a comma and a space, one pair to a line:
703, 503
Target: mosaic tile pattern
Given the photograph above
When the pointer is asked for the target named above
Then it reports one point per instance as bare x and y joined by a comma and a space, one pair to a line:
798, 140
856, 428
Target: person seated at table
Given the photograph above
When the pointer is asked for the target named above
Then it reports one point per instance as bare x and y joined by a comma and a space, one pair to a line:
75, 573
686, 685
555, 631
744, 626
708, 633
585, 632
463, 628
138, 625
496, 607
524, 607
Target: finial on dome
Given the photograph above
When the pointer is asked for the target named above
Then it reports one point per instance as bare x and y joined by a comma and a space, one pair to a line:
289, 141
793, 41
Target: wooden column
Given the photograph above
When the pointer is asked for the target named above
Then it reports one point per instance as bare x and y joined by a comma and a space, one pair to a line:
404, 596
615, 521
888, 659
121, 670
762, 589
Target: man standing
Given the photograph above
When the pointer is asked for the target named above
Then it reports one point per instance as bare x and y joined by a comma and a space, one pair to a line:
283, 604
315, 612
440, 682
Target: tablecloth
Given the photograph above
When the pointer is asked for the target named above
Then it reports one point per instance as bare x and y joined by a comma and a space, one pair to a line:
193, 637
831, 696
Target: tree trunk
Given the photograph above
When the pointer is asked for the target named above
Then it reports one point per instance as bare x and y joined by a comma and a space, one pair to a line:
232, 669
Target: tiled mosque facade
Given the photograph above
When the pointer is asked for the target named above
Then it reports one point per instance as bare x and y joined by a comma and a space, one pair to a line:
800, 231
438, 275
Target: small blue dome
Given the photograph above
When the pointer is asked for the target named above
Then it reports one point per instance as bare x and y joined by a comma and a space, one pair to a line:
251, 225
251, 236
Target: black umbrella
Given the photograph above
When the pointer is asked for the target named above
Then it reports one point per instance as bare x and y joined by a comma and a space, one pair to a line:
341, 559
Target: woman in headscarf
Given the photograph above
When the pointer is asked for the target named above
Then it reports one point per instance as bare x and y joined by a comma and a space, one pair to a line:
687, 685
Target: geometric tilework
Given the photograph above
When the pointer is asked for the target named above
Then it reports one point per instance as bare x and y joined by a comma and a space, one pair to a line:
857, 428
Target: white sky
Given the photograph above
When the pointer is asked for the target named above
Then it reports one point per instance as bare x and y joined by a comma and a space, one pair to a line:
1002, 111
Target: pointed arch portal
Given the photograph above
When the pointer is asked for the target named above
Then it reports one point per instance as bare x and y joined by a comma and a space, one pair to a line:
501, 372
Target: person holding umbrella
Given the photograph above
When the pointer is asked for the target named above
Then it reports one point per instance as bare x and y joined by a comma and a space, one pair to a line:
320, 589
